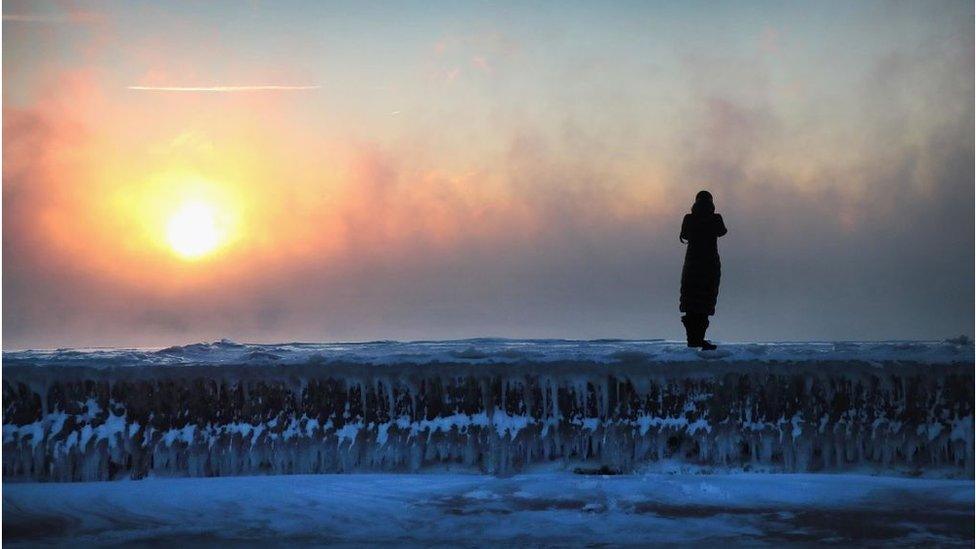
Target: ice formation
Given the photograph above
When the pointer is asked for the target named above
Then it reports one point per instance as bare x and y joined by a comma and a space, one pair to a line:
498, 406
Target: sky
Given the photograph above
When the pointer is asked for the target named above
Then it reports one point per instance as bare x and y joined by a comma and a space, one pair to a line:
316, 171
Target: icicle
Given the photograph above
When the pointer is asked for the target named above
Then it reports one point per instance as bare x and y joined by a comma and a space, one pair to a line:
787, 417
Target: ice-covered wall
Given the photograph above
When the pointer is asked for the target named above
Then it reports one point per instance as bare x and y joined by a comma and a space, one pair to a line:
66, 420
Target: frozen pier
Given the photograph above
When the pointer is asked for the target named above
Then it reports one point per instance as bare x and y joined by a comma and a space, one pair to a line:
498, 406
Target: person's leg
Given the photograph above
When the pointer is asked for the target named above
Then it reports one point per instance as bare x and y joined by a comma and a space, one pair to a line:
692, 324
703, 326
684, 322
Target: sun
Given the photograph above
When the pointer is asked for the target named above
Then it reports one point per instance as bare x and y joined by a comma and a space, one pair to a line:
193, 230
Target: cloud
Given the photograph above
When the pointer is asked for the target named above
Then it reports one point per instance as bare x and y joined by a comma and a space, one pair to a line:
481, 63
53, 18
549, 218
855, 236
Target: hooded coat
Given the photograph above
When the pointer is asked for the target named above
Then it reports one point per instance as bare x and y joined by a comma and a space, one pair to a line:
702, 270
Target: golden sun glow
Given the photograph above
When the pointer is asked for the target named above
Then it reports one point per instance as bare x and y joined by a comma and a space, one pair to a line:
180, 215
193, 231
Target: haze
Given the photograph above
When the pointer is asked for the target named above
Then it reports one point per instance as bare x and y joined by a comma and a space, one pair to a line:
441, 170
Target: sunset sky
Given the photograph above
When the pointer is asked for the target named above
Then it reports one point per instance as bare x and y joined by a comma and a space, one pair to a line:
313, 171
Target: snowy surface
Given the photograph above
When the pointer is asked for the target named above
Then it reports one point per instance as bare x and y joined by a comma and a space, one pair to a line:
501, 351
548, 508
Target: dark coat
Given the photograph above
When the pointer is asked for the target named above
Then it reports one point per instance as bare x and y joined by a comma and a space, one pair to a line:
702, 271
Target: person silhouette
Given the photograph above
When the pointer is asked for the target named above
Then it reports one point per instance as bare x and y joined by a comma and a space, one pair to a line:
702, 269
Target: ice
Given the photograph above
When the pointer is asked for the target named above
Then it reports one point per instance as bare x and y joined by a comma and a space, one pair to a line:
538, 509
494, 406
500, 351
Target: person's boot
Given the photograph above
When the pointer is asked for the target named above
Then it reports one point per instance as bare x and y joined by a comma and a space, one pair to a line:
705, 344
691, 331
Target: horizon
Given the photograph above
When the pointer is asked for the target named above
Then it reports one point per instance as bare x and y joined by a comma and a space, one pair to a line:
333, 172
960, 340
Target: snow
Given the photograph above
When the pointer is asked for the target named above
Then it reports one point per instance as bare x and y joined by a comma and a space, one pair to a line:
704, 440
540, 508
500, 351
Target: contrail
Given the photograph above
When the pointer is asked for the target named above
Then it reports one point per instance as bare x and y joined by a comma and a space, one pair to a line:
73, 17
33, 18
220, 88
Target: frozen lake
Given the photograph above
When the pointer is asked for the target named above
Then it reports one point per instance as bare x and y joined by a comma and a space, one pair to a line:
542, 509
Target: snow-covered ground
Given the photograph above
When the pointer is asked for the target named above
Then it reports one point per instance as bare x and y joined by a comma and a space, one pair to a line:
500, 351
540, 509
